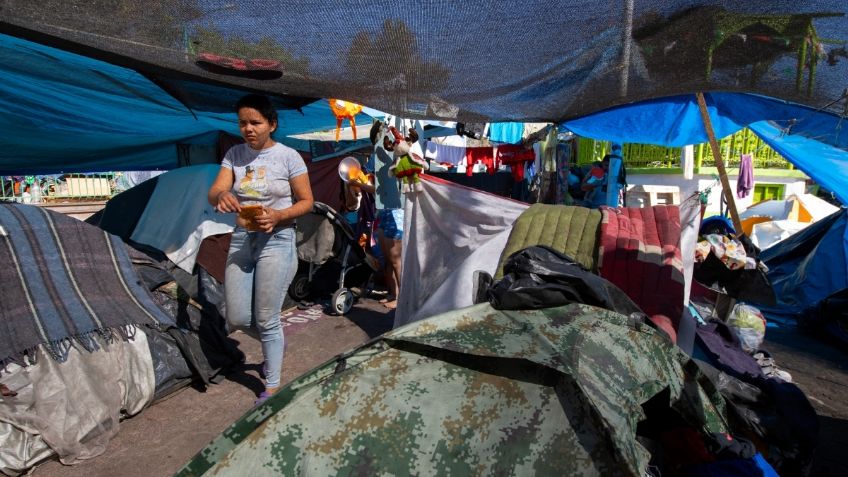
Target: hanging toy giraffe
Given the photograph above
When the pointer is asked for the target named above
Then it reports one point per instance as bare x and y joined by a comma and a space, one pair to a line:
344, 109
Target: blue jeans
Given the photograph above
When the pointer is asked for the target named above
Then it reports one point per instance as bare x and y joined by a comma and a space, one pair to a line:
260, 268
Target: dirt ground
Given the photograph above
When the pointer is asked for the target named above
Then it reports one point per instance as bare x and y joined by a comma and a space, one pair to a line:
163, 437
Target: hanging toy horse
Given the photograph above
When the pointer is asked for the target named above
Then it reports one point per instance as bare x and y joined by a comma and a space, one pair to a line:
407, 165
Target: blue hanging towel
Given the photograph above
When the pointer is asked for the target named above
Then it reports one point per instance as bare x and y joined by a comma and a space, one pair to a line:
509, 133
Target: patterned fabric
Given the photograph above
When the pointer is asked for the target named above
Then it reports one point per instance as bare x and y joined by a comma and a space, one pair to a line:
730, 251
640, 252
391, 223
476, 391
64, 280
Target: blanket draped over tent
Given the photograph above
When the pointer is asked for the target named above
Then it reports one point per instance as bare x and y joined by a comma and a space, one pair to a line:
640, 252
64, 280
570, 230
476, 391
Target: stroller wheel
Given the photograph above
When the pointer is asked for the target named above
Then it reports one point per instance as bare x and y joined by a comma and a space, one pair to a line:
300, 287
342, 301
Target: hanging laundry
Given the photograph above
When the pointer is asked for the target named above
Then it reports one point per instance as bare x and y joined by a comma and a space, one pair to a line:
483, 155
745, 182
444, 154
516, 157
548, 150
510, 133
563, 159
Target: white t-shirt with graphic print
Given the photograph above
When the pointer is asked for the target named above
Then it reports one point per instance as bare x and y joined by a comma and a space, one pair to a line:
262, 177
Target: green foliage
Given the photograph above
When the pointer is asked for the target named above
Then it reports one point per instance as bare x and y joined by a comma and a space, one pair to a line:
402, 64
207, 40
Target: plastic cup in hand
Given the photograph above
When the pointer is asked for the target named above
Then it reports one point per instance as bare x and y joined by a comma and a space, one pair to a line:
249, 212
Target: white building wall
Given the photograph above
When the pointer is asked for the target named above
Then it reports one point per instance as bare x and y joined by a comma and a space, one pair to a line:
793, 185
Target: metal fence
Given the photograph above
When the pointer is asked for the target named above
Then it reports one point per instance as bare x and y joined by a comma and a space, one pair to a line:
649, 156
58, 188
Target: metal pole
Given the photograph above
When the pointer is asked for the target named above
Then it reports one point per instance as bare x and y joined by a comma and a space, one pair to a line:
722, 172
627, 44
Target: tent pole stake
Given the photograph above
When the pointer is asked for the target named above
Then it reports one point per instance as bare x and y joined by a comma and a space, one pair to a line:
722, 172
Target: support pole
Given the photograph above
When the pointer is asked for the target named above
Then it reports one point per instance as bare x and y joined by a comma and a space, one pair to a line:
722, 172
626, 42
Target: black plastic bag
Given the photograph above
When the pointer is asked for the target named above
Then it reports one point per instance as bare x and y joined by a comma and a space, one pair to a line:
540, 277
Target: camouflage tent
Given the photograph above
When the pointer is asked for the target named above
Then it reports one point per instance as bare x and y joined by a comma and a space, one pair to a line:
475, 391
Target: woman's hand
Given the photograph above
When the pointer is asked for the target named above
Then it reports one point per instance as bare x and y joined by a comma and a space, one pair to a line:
360, 186
269, 219
227, 202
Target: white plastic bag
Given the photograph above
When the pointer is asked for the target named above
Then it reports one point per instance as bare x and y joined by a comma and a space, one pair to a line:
749, 324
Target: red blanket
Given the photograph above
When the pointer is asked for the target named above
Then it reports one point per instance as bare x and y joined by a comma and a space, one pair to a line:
640, 253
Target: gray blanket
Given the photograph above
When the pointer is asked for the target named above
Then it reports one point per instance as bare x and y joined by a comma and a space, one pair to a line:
63, 281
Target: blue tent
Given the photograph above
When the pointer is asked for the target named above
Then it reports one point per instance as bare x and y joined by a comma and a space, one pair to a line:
809, 266
816, 142
64, 112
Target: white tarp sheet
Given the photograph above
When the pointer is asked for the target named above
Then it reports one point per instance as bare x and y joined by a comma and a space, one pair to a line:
72, 408
450, 231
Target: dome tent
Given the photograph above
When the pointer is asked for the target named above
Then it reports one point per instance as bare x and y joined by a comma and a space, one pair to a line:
557, 390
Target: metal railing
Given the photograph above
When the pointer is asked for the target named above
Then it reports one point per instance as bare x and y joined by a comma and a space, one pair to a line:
649, 156
58, 188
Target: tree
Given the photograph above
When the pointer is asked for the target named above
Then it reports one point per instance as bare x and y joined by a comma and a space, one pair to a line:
402, 66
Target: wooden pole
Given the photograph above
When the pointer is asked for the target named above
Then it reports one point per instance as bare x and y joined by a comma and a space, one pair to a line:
722, 172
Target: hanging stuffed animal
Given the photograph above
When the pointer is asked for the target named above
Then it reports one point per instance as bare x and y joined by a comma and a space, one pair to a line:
344, 110
407, 164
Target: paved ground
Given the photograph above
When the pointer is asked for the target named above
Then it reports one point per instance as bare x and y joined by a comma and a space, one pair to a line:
163, 437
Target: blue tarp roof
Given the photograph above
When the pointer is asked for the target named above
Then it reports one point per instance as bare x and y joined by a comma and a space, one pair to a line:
814, 141
63, 112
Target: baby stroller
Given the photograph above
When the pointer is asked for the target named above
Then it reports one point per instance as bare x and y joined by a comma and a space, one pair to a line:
329, 258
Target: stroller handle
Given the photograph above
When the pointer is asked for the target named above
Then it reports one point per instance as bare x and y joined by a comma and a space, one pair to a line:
321, 208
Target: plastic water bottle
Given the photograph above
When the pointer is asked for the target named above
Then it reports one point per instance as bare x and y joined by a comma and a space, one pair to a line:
35, 193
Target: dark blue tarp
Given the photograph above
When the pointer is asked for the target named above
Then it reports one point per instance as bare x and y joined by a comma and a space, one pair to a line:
808, 266
64, 112
814, 141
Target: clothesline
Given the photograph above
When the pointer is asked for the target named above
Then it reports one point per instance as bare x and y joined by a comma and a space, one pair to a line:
492, 157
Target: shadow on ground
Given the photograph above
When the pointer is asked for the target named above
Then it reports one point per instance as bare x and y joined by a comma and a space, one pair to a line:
820, 369
365, 317
829, 460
